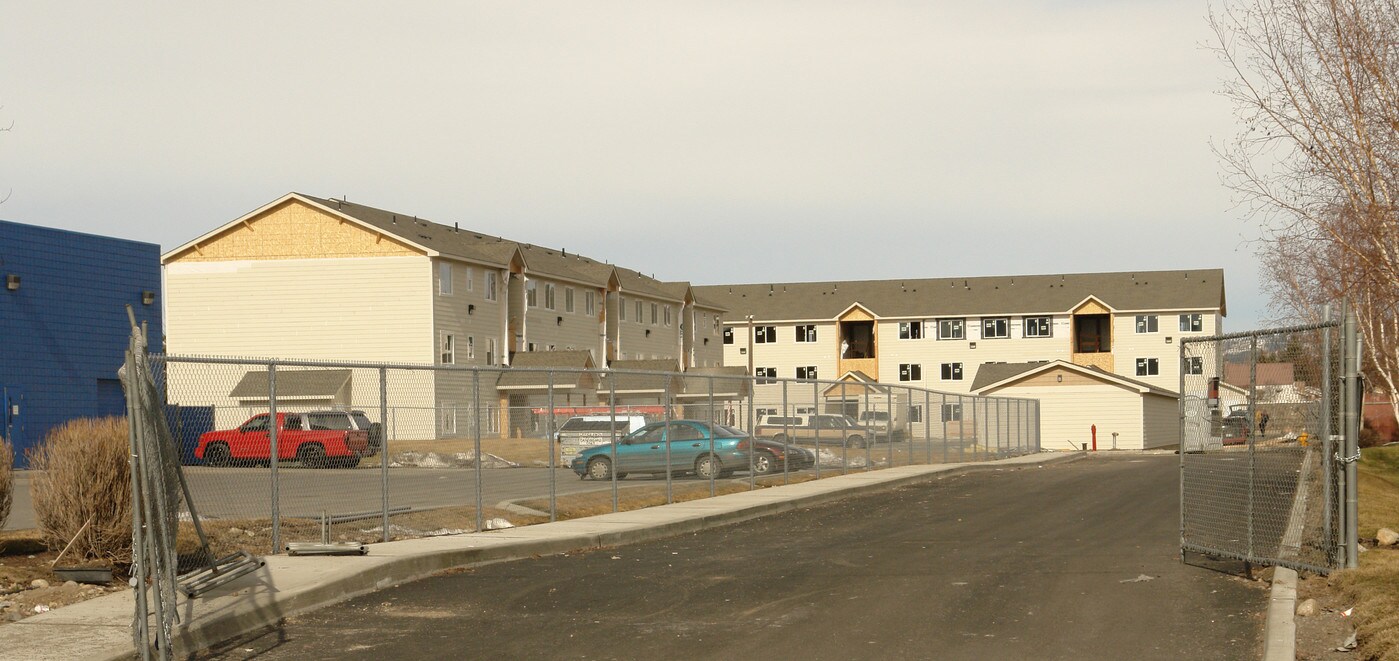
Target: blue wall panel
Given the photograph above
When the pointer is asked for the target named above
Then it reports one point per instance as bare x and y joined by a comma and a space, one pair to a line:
63, 332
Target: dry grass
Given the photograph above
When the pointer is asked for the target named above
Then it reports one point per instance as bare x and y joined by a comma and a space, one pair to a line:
523, 451
7, 479
1373, 588
635, 495
82, 475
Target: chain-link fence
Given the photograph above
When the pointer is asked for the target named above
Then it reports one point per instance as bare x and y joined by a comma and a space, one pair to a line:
1261, 428
369, 453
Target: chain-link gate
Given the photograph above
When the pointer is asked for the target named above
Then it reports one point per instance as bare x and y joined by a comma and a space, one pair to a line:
1265, 445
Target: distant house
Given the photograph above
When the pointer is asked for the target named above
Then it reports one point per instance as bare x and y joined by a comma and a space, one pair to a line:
63, 324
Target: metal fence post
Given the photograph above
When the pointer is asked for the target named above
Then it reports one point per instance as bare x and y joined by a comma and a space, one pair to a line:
786, 426
1327, 462
476, 404
713, 459
612, 410
1252, 434
384, 449
1354, 400
549, 435
816, 401
274, 456
669, 487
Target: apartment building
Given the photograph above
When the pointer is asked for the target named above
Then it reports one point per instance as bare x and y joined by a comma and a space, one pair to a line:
323, 279
939, 333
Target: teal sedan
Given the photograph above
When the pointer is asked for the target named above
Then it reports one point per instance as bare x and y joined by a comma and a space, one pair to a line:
705, 449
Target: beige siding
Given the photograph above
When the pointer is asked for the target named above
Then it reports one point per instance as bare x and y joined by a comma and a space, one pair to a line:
1067, 414
558, 327
1129, 345
973, 350
465, 313
663, 342
362, 309
1161, 421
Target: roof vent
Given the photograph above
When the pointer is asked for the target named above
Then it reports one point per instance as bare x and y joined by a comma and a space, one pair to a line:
456, 228
394, 219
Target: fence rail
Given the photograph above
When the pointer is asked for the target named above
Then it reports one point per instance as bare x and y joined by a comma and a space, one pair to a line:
372, 452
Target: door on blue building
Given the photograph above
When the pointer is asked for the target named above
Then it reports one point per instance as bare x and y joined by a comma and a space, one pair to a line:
13, 428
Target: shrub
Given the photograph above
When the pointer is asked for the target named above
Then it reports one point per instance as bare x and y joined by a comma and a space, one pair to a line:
82, 473
7, 475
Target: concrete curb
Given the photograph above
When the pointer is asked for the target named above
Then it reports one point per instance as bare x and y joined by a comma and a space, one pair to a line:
1280, 629
100, 629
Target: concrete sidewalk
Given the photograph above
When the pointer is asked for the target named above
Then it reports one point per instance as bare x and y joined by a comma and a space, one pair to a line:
101, 628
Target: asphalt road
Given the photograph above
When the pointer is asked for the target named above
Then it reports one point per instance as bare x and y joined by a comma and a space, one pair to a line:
1073, 561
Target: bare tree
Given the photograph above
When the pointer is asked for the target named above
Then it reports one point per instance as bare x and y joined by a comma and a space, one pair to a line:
1316, 159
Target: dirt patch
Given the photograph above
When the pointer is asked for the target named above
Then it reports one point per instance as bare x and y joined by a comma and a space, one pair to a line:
1319, 635
24, 560
522, 451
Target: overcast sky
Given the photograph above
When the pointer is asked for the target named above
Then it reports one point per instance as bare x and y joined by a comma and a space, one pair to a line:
714, 142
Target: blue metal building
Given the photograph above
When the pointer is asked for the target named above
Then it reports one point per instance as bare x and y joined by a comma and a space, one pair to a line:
63, 325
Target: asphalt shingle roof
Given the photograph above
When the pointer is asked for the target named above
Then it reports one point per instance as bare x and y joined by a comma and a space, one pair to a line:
968, 297
479, 247
292, 383
528, 370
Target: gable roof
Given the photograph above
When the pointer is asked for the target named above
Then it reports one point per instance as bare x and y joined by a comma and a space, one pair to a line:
437, 239
728, 383
532, 370
996, 375
968, 297
634, 383
292, 383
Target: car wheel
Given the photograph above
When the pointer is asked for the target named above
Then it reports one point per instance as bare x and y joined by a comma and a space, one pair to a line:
600, 469
217, 455
311, 455
855, 441
708, 467
764, 463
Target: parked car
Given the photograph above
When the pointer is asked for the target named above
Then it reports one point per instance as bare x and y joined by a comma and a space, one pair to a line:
589, 427
830, 428
695, 447
304, 437
770, 457
335, 419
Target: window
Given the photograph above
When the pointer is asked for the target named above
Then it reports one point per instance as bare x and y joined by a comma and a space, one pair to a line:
1038, 327
765, 374
951, 329
621, 308
1193, 365
590, 303
717, 324
549, 296
444, 279
728, 335
910, 372
470, 348
765, 334
532, 293
639, 310
1191, 323
568, 299
490, 351
448, 351
667, 315
915, 413
951, 371
653, 314
808, 372
490, 285
951, 412
1146, 323
910, 330
470, 279
1148, 367
995, 328
806, 333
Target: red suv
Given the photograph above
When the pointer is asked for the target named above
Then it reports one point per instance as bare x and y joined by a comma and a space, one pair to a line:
309, 438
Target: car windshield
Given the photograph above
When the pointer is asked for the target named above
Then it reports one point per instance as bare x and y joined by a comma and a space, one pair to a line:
328, 421
361, 420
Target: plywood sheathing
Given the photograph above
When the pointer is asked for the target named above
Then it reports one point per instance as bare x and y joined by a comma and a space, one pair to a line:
1102, 361
295, 230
